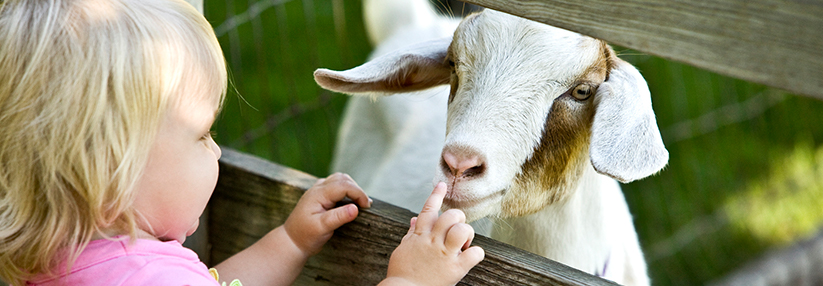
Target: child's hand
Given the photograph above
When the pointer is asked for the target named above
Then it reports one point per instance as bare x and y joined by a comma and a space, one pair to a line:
435, 251
314, 218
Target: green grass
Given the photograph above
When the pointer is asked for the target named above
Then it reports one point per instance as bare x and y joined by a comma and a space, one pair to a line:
745, 160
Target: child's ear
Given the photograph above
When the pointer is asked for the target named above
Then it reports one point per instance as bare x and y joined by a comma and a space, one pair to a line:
413, 68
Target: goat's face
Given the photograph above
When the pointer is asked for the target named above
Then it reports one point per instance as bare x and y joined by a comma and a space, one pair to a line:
520, 114
531, 107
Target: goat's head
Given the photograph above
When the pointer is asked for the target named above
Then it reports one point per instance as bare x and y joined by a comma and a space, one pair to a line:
531, 106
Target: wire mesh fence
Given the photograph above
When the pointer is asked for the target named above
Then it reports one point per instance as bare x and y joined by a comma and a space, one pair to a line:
746, 161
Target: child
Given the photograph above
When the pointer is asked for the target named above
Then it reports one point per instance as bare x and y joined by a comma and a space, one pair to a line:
106, 161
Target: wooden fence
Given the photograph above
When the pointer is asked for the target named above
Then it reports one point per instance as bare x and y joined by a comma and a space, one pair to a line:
254, 196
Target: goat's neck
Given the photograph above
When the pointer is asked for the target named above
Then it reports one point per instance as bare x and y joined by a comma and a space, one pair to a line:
571, 231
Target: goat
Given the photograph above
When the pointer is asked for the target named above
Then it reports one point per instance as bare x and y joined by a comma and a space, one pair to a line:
540, 123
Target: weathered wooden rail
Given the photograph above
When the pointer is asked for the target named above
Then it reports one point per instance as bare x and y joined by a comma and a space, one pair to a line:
254, 196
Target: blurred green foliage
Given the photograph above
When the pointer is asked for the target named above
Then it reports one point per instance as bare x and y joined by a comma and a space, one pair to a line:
276, 111
746, 160
744, 173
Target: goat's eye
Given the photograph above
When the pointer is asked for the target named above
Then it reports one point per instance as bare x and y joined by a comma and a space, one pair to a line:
455, 80
582, 91
455, 83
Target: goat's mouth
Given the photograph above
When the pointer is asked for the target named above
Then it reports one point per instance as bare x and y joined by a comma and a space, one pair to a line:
464, 205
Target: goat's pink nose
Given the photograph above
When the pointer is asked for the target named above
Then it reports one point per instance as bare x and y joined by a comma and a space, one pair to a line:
462, 163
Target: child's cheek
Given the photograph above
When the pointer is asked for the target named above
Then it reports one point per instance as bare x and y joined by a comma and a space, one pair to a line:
193, 227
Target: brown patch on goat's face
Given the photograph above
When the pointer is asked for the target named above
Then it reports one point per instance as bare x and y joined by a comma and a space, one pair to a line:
599, 70
550, 175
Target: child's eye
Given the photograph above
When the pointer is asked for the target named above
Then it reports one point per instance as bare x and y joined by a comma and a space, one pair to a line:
211, 134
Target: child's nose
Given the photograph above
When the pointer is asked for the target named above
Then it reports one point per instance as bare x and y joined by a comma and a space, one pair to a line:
216, 149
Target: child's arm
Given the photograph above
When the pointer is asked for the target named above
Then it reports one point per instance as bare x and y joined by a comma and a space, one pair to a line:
435, 251
278, 257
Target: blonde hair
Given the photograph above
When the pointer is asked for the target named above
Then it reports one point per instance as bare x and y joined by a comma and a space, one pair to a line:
84, 86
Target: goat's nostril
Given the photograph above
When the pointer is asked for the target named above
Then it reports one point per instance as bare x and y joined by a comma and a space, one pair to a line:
445, 166
462, 164
475, 171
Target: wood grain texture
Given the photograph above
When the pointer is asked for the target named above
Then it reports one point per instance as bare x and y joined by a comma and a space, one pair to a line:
254, 196
773, 42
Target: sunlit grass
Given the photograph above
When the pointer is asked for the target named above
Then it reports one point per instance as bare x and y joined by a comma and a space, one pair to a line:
787, 204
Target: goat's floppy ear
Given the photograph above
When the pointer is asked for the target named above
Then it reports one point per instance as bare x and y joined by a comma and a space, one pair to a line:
626, 142
417, 67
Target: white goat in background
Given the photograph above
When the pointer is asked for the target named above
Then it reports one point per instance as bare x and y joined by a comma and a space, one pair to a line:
539, 122
391, 146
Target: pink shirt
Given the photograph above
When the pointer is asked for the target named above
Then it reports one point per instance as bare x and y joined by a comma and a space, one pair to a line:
146, 262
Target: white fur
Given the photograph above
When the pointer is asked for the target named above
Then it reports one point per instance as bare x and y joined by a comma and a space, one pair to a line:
510, 73
589, 230
391, 146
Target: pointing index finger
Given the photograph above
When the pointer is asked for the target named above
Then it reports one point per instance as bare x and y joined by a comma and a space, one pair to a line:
431, 209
